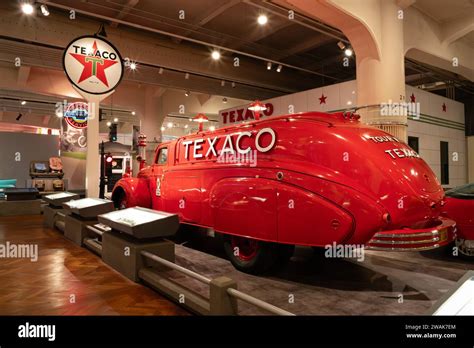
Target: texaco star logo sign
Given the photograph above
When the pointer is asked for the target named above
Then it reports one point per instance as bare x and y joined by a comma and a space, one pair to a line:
93, 65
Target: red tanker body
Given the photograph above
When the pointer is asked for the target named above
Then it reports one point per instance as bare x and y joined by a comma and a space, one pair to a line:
311, 179
460, 207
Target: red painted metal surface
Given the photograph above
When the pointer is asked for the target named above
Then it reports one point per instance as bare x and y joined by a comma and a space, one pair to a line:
462, 211
314, 179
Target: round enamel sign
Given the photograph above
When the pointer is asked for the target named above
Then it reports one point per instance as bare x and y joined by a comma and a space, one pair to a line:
93, 65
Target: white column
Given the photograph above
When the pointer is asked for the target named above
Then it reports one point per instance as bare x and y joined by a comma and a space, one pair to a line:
383, 80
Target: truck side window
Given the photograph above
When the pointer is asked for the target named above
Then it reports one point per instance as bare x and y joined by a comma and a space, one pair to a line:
162, 156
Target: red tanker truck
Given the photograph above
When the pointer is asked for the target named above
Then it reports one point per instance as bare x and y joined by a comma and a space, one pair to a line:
311, 179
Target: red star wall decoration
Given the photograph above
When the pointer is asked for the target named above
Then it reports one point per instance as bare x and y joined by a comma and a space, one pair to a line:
412, 98
93, 65
322, 99
444, 107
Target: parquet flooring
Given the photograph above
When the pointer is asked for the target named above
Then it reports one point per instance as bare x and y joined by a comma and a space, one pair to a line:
66, 272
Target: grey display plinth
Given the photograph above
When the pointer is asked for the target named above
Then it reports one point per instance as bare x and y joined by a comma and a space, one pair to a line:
15, 208
83, 213
122, 252
75, 229
50, 215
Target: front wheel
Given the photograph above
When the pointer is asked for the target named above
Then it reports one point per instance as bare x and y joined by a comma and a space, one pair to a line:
121, 201
253, 256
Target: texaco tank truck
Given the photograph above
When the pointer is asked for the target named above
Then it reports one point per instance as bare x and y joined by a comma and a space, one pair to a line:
311, 179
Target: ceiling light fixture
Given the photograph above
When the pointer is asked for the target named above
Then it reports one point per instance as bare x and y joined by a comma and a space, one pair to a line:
233, 84
109, 123
162, 129
133, 66
222, 83
23, 102
187, 93
348, 52
19, 116
44, 10
115, 120
186, 76
262, 19
215, 55
212, 128
59, 113
160, 71
185, 126
224, 100
269, 66
134, 113
169, 125
279, 67
27, 8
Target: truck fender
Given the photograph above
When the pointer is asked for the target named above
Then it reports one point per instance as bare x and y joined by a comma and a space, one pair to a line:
136, 190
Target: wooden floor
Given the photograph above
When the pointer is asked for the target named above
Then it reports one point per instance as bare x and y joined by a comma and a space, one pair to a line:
63, 272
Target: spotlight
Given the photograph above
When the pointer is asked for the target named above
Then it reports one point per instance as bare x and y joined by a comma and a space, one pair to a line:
215, 55
133, 113
187, 93
23, 102
269, 66
169, 125
212, 128
160, 71
349, 102
44, 10
109, 123
133, 66
348, 52
162, 129
224, 100
115, 120
262, 19
19, 116
341, 45
279, 67
233, 84
27, 8
185, 126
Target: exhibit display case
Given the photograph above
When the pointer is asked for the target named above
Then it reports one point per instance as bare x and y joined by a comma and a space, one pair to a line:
141, 223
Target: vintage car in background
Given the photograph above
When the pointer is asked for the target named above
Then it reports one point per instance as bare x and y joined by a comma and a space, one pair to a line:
460, 207
311, 179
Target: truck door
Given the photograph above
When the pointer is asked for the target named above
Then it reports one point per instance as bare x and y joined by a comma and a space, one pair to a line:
157, 169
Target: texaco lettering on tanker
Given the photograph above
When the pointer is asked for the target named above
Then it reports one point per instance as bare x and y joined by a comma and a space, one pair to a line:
230, 144
93, 65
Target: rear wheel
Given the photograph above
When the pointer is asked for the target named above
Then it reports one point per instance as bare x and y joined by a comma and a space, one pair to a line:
255, 257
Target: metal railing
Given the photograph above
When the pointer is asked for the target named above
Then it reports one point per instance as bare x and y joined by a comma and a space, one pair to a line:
229, 291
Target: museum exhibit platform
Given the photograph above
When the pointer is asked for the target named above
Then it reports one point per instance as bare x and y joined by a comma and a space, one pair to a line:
82, 213
19, 201
54, 211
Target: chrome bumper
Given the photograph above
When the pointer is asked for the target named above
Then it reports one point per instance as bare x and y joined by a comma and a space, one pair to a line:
414, 240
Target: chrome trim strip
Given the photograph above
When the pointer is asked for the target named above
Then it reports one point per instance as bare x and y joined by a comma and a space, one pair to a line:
401, 242
403, 249
403, 235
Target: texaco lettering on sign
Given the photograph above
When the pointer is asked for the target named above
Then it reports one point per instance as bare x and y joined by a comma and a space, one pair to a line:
93, 65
